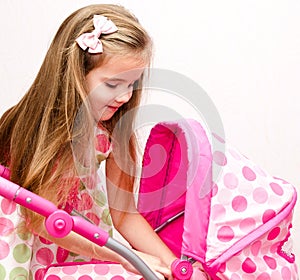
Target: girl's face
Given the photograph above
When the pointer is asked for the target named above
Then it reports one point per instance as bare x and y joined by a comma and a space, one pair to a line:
111, 85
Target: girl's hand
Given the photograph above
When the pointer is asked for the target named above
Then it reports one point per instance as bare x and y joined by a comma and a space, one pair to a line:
199, 273
155, 264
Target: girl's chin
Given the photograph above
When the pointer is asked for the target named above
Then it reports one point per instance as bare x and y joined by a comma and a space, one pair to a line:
106, 116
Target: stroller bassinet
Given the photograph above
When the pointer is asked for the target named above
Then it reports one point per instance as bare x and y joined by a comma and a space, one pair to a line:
236, 223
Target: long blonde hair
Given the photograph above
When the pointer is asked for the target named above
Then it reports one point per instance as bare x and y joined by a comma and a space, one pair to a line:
36, 134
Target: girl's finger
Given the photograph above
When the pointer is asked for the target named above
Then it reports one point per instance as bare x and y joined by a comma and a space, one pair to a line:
198, 274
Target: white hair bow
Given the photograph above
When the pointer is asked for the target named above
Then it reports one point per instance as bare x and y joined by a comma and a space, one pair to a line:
91, 40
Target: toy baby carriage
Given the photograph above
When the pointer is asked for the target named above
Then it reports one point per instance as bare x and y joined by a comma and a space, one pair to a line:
237, 227
235, 222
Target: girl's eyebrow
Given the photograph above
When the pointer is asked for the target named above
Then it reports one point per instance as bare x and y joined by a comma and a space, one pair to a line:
115, 79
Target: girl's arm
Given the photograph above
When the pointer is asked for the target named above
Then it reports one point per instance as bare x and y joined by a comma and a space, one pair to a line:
131, 225
77, 244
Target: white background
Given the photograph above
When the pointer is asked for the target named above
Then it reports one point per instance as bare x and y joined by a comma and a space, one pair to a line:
244, 54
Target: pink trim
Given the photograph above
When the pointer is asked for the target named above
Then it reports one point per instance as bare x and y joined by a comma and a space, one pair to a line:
199, 195
172, 149
289, 258
163, 181
248, 239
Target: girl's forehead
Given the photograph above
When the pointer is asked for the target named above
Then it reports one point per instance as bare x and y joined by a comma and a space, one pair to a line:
126, 68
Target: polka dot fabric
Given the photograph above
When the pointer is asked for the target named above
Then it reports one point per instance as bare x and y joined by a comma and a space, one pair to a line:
260, 259
103, 271
15, 243
245, 198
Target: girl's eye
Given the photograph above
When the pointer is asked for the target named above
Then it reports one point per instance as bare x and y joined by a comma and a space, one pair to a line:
133, 85
111, 85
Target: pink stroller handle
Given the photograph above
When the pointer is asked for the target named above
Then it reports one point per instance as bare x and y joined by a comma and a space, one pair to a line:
59, 223
26, 198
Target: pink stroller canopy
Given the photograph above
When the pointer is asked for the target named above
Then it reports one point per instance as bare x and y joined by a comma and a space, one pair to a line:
215, 206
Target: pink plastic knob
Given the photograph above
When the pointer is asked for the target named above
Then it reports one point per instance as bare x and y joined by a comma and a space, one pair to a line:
59, 224
182, 269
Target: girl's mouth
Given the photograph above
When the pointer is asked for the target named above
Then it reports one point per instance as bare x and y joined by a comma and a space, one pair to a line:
113, 108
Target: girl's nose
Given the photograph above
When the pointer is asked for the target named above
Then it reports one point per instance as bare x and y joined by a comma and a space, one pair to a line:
124, 97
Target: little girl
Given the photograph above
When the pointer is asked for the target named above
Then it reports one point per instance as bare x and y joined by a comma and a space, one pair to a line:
80, 110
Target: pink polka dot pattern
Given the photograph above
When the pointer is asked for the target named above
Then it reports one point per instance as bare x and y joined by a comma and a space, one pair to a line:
277, 189
252, 263
61, 255
231, 181
4, 249
90, 271
215, 190
93, 217
268, 215
225, 234
260, 195
255, 247
271, 262
86, 202
85, 269
249, 173
219, 138
39, 274
219, 158
286, 273
52, 277
8, 207
273, 233
69, 270
246, 199
239, 203
44, 241
45, 256
85, 277
248, 266
264, 276
102, 269
6, 226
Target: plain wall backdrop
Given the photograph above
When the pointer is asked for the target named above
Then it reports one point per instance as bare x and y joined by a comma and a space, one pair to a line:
244, 54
